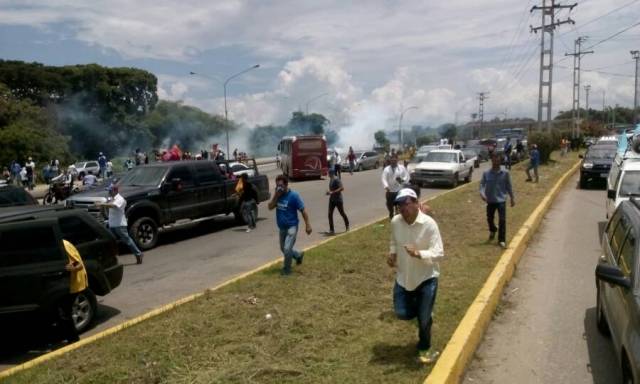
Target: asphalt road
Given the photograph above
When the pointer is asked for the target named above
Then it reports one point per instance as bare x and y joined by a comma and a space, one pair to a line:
193, 257
545, 327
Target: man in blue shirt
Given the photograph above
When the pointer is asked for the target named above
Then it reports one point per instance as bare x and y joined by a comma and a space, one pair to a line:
495, 185
533, 162
102, 161
287, 204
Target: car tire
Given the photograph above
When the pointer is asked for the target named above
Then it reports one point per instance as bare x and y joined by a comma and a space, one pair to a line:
84, 310
359, 169
377, 165
144, 232
601, 318
476, 164
454, 181
468, 178
48, 199
583, 183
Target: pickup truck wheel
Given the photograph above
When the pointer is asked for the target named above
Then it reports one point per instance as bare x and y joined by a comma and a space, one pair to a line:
601, 319
145, 233
469, 176
359, 169
454, 181
84, 310
583, 182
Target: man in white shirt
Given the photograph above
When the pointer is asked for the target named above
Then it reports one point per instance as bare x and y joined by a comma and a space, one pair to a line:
414, 249
118, 220
394, 176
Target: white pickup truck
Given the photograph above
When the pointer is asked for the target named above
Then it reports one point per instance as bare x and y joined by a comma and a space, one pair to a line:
448, 166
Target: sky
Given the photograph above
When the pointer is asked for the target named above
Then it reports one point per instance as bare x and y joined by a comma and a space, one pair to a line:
359, 63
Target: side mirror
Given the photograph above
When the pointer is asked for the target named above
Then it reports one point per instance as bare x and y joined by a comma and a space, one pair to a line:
612, 275
580, 156
611, 194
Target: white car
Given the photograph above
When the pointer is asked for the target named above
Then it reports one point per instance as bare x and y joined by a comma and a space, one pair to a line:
240, 169
82, 168
447, 166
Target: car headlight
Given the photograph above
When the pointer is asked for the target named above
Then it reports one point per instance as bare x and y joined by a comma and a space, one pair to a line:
587, 165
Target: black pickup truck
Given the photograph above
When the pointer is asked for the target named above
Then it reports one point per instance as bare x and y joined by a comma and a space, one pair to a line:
160, 194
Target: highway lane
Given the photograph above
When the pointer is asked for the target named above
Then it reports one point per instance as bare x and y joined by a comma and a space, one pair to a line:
545, 327
193, 257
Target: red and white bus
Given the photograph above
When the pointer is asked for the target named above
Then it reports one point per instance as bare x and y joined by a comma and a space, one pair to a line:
303, 156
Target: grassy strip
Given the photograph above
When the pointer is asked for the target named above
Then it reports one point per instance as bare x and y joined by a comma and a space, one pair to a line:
331, 321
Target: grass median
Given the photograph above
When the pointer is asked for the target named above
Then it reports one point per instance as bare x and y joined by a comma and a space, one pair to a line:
331, 321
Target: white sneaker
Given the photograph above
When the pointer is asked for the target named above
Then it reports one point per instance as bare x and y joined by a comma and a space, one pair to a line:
503, 245
248, 230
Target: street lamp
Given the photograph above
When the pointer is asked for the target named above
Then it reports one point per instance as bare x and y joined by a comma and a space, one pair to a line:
400, 124
224, 85
313, 99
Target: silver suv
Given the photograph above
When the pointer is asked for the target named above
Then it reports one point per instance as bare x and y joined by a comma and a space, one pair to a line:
364, 160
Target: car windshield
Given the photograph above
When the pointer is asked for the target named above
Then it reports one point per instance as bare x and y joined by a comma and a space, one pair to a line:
441, 157
630, 184
600, 153
143, 176
418, 158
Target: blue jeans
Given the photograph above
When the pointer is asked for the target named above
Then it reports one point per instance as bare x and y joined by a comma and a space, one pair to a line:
287, 241
417, 303
122, 234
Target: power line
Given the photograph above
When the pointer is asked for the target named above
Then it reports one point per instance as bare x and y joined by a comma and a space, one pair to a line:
614, 35
602, 16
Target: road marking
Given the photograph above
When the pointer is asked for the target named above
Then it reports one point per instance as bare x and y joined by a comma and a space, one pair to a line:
165, 308
465, 340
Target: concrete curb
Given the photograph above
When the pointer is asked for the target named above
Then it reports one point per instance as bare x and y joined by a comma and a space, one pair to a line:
165, 308
463, 343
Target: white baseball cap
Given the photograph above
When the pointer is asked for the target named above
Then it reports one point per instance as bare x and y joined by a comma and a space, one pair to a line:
404, 193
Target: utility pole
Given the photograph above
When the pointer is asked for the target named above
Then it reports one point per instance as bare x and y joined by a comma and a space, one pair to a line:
482, 96
577, 56
587, 88
548, 26
636, 57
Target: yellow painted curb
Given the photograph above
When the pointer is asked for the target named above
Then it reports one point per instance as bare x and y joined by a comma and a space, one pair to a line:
460, 349
165, 308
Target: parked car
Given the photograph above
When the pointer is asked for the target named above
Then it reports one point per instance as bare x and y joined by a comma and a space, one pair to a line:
364, 160
11, 195
596, 164
82, 168
471, 154
618, 288
442, 166
32, 262
160, 194
483, 152
623, 180
237, 169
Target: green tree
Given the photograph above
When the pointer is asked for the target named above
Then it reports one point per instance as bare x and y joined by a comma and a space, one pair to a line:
27, 130
448, 131
381, 139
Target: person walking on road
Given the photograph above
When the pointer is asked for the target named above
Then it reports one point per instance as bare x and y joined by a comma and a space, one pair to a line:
248, 201
102, 161
118, 221
508, 148
287, 204
335, 201
495, 185
414, 249
351, 157
31, 173
78, 282
394, 176
534, 162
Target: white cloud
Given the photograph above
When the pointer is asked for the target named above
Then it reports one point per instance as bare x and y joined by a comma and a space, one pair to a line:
367, 56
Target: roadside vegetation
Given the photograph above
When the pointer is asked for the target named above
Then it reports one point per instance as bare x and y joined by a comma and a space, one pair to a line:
331, 321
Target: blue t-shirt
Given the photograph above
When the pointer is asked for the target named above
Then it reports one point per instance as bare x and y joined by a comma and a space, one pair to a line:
287, 209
